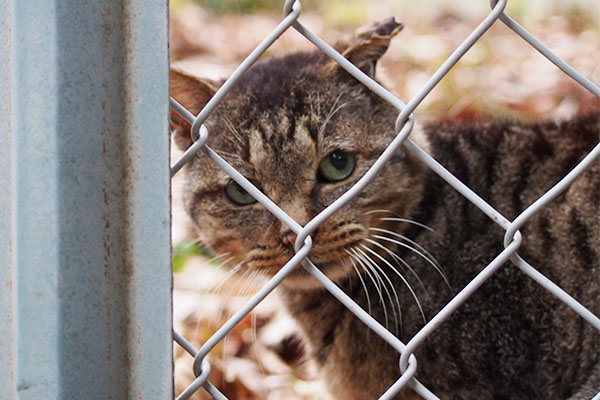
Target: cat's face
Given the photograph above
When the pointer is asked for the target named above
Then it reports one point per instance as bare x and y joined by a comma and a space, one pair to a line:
303, 131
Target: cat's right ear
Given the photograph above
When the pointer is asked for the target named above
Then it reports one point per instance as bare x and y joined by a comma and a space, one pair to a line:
366, 46
192, 93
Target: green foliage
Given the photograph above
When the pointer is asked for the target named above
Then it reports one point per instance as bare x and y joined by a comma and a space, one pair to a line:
184, 250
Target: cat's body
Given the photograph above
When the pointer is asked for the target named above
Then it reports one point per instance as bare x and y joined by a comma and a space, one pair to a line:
512, 339
304, 132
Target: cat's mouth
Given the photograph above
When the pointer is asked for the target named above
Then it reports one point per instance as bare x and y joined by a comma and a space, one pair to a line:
335, 270
272, 260
331, 254
344, 249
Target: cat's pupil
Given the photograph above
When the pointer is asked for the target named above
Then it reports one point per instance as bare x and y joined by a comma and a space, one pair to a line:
338, 159
237, 194
337, 166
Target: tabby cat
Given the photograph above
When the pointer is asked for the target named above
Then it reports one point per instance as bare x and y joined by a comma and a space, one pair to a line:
304, 131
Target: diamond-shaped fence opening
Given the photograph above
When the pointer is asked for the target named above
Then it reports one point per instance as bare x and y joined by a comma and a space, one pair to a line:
404, 125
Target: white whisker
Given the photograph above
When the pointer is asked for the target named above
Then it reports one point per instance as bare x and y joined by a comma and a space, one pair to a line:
318, 104
217, 286
249, 282
332, 112
408, 240
216, 257
222, 263
331, 116
375, 265
218, 317
381, 210
225, 154
240, 293
414, 250
253, 329
228, 295
408, 221
361, 280
233, 131
224, 279
397, 219
412, 292
254, 335
376, 281
400, 261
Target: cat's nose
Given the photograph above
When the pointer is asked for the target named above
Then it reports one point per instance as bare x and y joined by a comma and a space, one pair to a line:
288, 237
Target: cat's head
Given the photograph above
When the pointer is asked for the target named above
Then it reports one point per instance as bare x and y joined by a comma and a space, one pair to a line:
303, 131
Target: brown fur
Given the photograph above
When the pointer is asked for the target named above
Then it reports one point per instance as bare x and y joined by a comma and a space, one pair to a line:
512, 339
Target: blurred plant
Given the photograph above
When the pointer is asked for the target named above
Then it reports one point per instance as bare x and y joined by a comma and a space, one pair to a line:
186, 249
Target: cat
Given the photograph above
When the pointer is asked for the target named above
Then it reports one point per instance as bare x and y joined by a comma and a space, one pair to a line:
304, 131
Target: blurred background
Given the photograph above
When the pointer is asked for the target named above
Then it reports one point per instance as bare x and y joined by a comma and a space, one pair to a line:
501, 76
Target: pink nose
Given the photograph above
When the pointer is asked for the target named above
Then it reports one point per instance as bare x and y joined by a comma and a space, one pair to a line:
288, 237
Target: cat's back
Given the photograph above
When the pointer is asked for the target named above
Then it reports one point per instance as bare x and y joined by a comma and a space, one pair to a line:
496, 157
530, 335
510, 165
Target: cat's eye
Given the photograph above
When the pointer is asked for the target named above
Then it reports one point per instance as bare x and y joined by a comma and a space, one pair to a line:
238, 194
338, 165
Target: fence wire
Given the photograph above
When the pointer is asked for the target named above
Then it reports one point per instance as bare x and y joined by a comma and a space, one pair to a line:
404, 125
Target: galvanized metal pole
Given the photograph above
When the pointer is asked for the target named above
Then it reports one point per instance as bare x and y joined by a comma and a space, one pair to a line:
7, 279
84, 208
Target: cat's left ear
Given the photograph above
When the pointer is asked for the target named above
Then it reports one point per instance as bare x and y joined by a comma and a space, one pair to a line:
366, 46
193, 93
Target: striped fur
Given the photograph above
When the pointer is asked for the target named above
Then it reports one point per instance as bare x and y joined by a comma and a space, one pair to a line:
408, 242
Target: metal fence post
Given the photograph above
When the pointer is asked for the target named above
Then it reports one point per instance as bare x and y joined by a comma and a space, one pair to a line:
84, 206
7, 323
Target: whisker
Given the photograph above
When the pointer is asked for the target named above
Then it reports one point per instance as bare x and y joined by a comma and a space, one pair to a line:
224, 279
225, 154
361, 280
253, 327
233, 131
400, 261
367, 270
397, 219
375, 265
253, 331
381, 210
228, 295
222, 263
332, 112
409, 287
416, 251
243, 277
342, 262
242, 292
216, 257
318, 104
331, 116
376, 281
408, 240
247, 286
408, 221
219, 316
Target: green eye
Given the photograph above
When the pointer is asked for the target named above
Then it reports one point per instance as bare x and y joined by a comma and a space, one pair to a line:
338, 165
238, 194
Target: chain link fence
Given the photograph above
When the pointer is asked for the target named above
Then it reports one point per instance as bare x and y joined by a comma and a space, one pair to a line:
404, 126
